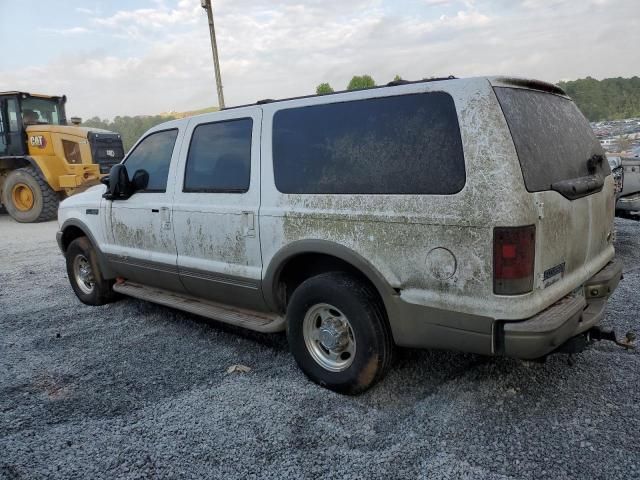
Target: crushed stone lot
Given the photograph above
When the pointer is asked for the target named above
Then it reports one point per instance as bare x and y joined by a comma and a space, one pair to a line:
135, 390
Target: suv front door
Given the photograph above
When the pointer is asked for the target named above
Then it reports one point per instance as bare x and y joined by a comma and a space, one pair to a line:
216, 209
142, 246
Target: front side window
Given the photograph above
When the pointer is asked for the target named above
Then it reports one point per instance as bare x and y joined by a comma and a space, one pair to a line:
153, 154
408, 144
40, 111
12, 110
219, 158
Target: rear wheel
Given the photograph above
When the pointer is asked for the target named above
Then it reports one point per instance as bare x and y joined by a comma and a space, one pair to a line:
28, 197
84, 274
338, 332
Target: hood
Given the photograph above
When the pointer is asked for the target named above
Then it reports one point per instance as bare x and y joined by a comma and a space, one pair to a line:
90, 197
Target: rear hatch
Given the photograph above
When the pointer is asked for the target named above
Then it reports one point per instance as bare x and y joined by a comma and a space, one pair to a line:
565, 168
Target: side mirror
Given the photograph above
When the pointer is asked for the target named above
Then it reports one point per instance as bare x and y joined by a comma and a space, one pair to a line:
118, 184
140, 180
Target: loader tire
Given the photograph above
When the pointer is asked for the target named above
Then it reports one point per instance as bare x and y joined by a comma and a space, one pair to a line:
28, 198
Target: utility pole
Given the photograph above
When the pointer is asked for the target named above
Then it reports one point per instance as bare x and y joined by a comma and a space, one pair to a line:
206, 4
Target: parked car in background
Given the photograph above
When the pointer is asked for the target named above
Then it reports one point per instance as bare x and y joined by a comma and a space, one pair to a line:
615, 164
628, 202
470, 214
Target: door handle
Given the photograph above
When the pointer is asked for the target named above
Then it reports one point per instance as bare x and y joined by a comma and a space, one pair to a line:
154, 210
165, 218
248, 225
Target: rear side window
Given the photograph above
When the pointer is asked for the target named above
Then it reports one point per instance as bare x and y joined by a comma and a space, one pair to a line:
553, 139
219, 157
153, 154
407, 144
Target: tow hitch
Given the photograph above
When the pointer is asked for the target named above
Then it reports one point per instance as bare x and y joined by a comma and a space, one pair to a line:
578, 343
597, 333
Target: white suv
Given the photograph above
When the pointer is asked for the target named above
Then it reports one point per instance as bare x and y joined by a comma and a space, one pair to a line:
470, 214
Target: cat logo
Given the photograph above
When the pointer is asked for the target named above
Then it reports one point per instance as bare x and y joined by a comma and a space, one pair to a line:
38, 141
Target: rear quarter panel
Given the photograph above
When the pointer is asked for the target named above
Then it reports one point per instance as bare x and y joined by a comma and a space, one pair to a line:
397, 234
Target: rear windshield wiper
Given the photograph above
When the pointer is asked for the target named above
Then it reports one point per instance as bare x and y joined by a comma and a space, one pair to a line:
579, 187
574, 188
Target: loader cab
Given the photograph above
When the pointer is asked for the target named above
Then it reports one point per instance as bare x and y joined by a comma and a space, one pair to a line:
18, 110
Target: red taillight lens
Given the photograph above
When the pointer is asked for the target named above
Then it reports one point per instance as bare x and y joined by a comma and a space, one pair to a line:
514, 253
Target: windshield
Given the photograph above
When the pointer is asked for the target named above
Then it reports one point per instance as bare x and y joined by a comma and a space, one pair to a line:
39, 111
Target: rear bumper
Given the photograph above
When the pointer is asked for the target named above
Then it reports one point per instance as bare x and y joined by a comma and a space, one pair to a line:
572, 315
80, 176
630, 203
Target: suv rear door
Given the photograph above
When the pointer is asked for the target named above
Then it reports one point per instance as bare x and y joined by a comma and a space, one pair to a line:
216, 208
566, 170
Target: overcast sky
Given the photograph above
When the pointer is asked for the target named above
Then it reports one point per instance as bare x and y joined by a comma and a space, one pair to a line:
128, 57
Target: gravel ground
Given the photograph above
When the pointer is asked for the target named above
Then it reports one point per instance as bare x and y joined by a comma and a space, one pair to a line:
134, 390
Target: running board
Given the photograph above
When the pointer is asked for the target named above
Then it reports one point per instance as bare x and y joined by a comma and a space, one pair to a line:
250, 319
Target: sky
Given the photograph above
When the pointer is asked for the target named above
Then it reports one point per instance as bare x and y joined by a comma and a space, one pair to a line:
143, 57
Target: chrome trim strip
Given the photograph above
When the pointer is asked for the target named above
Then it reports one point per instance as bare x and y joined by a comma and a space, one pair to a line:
220, 278
187, 272
159, 267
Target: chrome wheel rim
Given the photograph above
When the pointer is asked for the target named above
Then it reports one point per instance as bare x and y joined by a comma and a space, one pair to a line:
329, 337
83, 274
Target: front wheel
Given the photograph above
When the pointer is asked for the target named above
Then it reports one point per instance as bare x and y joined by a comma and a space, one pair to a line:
338, 332
84, 274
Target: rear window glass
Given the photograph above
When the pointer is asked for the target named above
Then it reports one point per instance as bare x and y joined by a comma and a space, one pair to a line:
406, 144
553, 139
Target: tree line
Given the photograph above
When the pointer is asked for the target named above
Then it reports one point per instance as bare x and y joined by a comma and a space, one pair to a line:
608, 99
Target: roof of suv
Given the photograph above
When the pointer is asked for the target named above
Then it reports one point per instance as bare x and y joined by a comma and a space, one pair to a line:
394, 83
496, 81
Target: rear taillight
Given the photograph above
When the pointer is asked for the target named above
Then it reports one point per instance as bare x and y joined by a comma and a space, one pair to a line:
514, 252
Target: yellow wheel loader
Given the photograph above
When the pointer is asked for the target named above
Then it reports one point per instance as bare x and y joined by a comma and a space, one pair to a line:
43, 159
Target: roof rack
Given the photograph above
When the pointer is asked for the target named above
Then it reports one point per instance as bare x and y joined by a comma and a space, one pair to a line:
393, 83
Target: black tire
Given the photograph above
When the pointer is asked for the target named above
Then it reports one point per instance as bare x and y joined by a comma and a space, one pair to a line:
102, 289
368, 323
45, 200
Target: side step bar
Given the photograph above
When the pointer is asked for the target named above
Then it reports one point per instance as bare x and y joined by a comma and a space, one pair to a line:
252, 320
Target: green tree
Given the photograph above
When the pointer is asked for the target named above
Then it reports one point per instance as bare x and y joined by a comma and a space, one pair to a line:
360, 82
607, 99
397, 78
324, 88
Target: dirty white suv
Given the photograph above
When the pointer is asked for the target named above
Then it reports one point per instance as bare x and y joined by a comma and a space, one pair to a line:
469, 214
